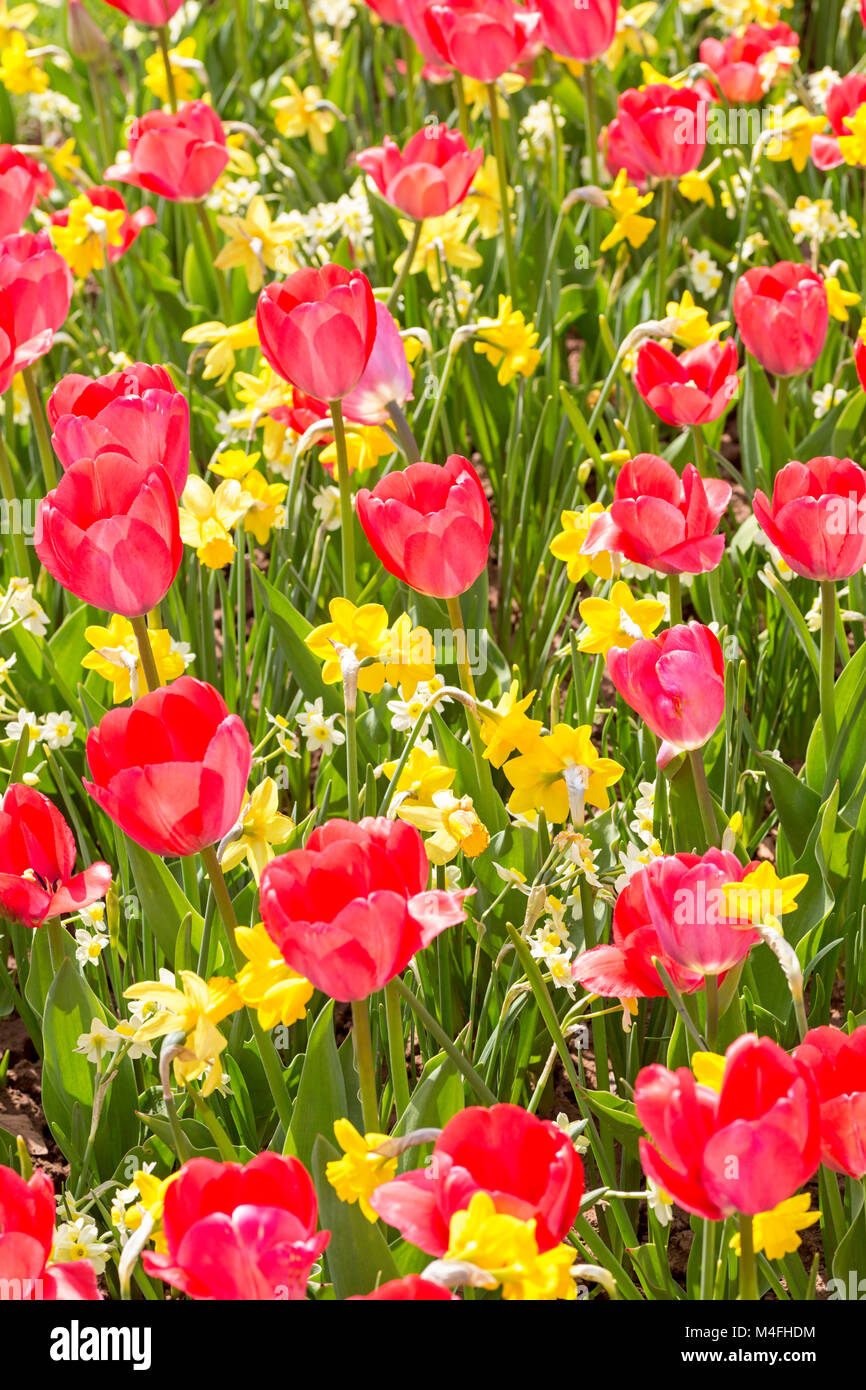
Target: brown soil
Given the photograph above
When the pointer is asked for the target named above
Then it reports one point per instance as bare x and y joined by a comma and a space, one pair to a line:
21, 1100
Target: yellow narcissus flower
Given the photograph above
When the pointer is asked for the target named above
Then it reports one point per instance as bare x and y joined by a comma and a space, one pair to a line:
853, 146
442, 238
356, 1175
507, 1248
629, 37
540, 777
839, 301
256, 243
693, 324
777, 1232
508, 341
695, 186
762, 897
195, 1010
364, 629
19, 17
365, 446
207, 517
626, 203
477, 94
149, 1190
115, 650
19, 74
422, 777
619, 621
709, 1069
62, 160
261, 827
88, 231
484, 200
304, 113
225, 341
234, 463
266, 983
183, 64
794, 139
568, 545
513, 730
455, 825
265, 509
408, 656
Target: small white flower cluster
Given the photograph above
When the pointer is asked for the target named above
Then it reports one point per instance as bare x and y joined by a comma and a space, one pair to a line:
537, 130
817, 221
52, 110
825, 398
232, 197
637, 856
319, 730
819, 86
19, 605
704, 273
54, 730
550, 945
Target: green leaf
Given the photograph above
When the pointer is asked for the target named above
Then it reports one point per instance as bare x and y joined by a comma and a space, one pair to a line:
321, 1092
163, 903
357, 1254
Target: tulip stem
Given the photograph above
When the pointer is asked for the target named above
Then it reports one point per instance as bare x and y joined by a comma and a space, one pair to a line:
712, 987
592, 149
347, 515
748, 1268
409, 60
662, 253
676, 604
403, 273
708, 1260
828, 665
396, 1049
406, 439
163, 39
502, 169
364, 1065
705, 801
462, 107
779, 433
40, 426
352, 763
482, 767
220, 280
241, 48
145, 652
14, 516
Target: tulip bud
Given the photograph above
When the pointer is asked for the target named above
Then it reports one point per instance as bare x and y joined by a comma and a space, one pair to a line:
85, 38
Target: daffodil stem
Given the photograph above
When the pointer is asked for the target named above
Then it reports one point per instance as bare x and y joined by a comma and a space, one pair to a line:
748, 1268
14, 513
364, 1064
224, 1144
56, 952
708, 1261
662, 254
705, 801
712, 987
502, 169
462, 107
347, 516
403, 273
676, 604
463, 1065
241, 48
396, 1049
352, 763
163, 40
267, 1051
145, 652
40, 427
828, 666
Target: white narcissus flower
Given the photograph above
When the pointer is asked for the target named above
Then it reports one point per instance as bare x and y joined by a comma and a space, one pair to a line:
98, 1042
58, 730
89, 948
80, 1240
319, 729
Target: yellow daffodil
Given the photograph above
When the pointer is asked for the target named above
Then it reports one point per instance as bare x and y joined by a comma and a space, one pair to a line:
423, 775
304, 113
261, 828
19, 74
364, 630
266, 983
234, 463
365, 446
62, 160
257, 244
629, 36
709, 1069
507, 1249
225, 341
183, 64
559, 771
145, 1197
207, 517
508, 341
477, 94
626, 203
853, 145
696, 187
265, 510
116, 651
88, 231
356, 1175
568, 545
762, 897
195, 1010
455, 825
693, 324
18, 17
839, 301
408, 656
777, 1232
484, 200
794, 139
512, 731
618, 621
442, 239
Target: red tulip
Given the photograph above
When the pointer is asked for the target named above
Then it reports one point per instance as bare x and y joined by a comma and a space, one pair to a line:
237, 1232
153, 12
22, 181
38, 284
579, 29
385, 378
432, 174
412, 1288
179, 155
624, 969
675, 682
817, 518
171, 770
303, 412
109, 533
27, 1214
351, 909
131, 227
745, 1150
663, 127
843, 100
736, 61
689, 910
7, 342
138, 411
528, 1166
860, 361
781, 312
429, 525
317, 329
837, 1064
412, 14
658, 520
387, 10
37, 859
691, 389
481, 38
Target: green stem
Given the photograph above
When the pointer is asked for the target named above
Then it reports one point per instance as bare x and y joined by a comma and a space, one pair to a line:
403, 431
828, 665
145, 652
164, 43
780, 433
364, 1064
482, 767
409, 60
708, 1261
396, 1049
434, 1028
705, 801
241, 48
352, 763
712, 987
14, 515
675, 592
55, 943
40, 425
402, 274
592, 150
502, 169
220, 279
462, 108
347, 515
225, 1146
662, 255
311, 34
748, 1268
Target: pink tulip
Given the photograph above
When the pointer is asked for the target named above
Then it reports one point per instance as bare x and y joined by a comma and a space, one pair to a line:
38, 283
691, 389
22, 181
843, 100
781, 312
317, 329
432, 174
179, 155
153, 12
481, 38
736, 61
675, 682
578, 29
689, 911
837, 1063
817, 518
386, 376
663, 128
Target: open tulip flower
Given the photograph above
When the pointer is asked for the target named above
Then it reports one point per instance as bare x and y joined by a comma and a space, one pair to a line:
688, 906
178, 155
582, 31
37, 861
22, 182
675, 682
663, 127
817, 517
38, 290
429, 177
781, 313
27, 1217
318, 328
480, 38
692, 389
837, 1064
